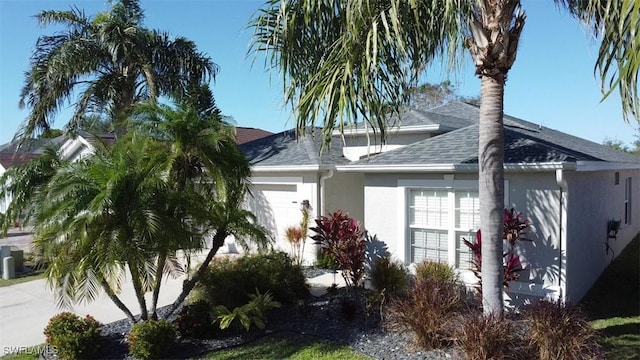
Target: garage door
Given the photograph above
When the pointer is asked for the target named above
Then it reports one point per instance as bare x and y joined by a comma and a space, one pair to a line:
276, 207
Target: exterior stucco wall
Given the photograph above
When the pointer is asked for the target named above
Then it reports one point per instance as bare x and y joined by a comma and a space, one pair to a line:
345, 191
535, 194
592, 200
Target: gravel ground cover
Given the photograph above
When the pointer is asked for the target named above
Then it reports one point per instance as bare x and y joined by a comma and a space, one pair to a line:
320, 317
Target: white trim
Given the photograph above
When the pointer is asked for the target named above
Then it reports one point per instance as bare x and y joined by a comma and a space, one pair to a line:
267, 180
605, 165
286, 168
550, 166
439, 184
364, 130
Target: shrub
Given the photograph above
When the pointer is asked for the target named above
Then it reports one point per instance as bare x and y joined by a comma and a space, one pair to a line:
388, 276
435, 271
152, 339
559, 330
73, 336
482, 338
326, 261
230, 282
342, 237
195, 321
252, 313
428, 310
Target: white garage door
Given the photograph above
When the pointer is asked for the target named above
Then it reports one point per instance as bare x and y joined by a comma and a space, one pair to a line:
277, 207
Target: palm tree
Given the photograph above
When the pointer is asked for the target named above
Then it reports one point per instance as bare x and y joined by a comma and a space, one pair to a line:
344, 60
111, 61
21, 185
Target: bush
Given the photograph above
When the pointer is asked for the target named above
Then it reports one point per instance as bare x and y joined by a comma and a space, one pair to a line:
73, 336
326, 261
152, 339
482, 338
230, 282
561, 331
435, 271
245, 316
343, 237
428, 310
195, 321
388, 275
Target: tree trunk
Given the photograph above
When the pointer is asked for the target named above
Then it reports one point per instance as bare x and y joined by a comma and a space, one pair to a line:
162, 258
188, 285
116, 300
491, 191
137, 286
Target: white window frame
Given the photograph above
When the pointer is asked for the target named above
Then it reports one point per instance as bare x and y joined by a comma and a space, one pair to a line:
447, 184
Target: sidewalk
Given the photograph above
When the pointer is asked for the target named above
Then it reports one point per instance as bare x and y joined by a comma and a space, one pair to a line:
26, 308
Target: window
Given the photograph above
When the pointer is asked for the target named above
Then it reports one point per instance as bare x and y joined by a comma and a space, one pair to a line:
627, 201
616, 178
438, 221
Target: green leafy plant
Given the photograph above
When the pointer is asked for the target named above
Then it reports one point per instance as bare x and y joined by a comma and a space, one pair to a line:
514, 229
342, 237
326, 261
483, 338
389, 276
252, 313
428, 310
74, 337
559, 330
435, 271
229, 282
195, 321
152, 339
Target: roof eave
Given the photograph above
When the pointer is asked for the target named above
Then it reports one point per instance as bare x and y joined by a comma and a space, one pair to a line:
289, 168
605, 165
393, 130
513, 167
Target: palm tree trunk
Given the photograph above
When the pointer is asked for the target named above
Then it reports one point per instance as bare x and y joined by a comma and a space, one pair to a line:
116, 300
491, 191
137, 286
188, 285
162, 258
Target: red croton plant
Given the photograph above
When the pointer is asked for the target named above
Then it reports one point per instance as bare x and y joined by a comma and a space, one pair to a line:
343, 237
515, 226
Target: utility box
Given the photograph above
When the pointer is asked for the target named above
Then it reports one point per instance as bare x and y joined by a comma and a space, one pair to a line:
9, 268
18, 258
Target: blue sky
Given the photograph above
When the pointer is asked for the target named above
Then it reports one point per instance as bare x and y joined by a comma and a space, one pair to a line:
551, 83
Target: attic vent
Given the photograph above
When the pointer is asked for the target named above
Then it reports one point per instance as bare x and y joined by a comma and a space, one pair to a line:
617, 178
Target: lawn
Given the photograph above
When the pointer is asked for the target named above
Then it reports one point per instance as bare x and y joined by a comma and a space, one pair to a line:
295, 347
30, 276
614, 305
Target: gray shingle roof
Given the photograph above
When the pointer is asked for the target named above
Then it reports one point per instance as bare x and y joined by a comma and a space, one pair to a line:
415, 117
525, 142
282, 149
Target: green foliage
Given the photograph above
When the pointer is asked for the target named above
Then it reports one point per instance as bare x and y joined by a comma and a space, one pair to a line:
326, 261
343, 237
388, 275
559, 330
229, 282
152, 339
195, 321
482, 338
252, 313
429, 310
73, 336
435, 271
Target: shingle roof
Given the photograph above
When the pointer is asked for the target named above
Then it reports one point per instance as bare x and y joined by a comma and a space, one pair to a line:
282, 149
9, 159
415, 117
246, 134
525, 142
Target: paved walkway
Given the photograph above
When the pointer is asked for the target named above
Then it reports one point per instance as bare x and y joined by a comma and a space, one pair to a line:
26, 308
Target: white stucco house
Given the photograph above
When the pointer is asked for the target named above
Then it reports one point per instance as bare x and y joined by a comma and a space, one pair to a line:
419, 193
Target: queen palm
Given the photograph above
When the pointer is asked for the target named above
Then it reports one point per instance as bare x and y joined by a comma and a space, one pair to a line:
345, 60
111, 61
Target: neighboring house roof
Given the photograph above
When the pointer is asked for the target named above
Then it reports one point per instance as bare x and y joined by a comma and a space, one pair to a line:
525, 142
283, 149
8, 159
12, 153
246, 134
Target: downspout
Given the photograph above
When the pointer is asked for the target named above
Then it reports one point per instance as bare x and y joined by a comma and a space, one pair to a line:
562, 241
323, 178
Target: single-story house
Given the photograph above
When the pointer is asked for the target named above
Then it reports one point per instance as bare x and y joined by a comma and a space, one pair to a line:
418, 193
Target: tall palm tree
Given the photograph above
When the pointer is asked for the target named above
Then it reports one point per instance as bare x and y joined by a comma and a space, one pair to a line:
344, 60
111, 61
